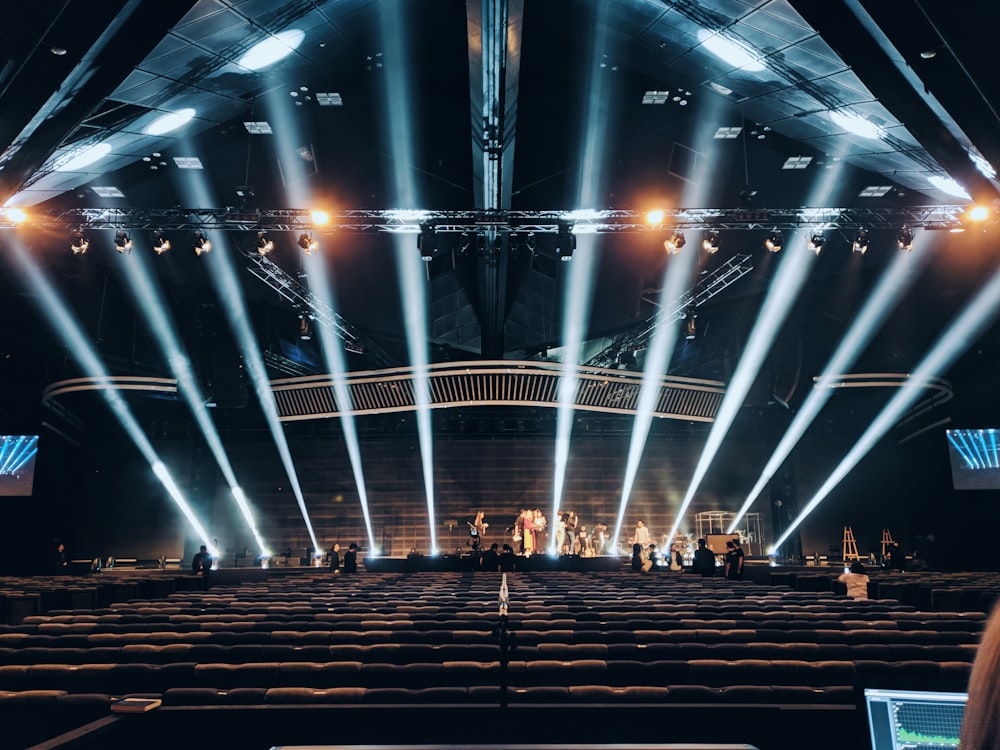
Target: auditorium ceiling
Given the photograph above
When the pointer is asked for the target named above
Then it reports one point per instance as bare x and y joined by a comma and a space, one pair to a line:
530, 109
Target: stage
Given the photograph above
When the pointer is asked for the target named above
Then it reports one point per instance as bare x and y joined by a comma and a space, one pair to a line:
455, 563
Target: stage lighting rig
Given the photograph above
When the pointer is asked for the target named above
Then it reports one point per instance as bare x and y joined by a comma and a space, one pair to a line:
307, 243
426, 242
691, 325
816, 243
264, 243
160, 243
904, 241
78, 242
565, 242
674, 243
201, 244
711, 242
774, 241
861, 242
123, 243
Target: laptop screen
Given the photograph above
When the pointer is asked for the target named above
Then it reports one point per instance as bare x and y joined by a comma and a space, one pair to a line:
924, 719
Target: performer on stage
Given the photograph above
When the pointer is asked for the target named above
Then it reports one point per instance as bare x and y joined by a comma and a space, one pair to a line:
517, 536
528, 531
561, 531
641, 534
571, 537
540, 525
600, 539
477, 530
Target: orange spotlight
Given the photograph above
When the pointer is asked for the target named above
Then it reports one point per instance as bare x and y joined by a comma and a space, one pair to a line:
655, 216
978, 213
319, 218
16, 215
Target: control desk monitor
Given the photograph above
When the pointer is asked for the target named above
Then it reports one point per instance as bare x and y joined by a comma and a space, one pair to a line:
914, 719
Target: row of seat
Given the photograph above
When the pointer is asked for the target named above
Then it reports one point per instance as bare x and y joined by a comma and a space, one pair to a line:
142, 677
16, 703
410, 653
333, 638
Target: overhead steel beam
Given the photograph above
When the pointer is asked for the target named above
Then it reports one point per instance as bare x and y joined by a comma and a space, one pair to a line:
851, 32
304, 302
501, 221
127, 33
952, 79
636, 337
494, 38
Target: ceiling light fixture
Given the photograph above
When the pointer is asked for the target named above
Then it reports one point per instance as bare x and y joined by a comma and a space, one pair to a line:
797, 162
170, 121
272, 49
711, 242
728, 133
188, 162
985, 168
329, 99
949, 186
654, 217
731, 51
264, 243
674, 243
861, 242
201, 244
319, 218
258, 127
160, 243
856, 124
307, 243
82, 156
123, 243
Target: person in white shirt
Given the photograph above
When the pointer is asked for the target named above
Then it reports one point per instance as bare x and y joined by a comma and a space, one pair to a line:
856, 582
641, 534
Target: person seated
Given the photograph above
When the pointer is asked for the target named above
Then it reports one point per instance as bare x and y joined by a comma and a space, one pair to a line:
201, 563
507, 560
637, 560
490, 561
351, 559
856, 582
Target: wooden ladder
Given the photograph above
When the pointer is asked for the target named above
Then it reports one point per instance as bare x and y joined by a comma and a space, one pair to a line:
850, 545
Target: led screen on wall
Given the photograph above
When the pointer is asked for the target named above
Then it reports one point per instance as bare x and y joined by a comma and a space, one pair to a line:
975, 459
17, 464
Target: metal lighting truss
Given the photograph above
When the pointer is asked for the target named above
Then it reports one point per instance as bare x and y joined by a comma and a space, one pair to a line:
497, 220
636, 337
308, 304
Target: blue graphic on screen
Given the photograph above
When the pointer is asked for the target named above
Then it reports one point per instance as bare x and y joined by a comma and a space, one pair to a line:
914, 719
975, 459
17, 464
